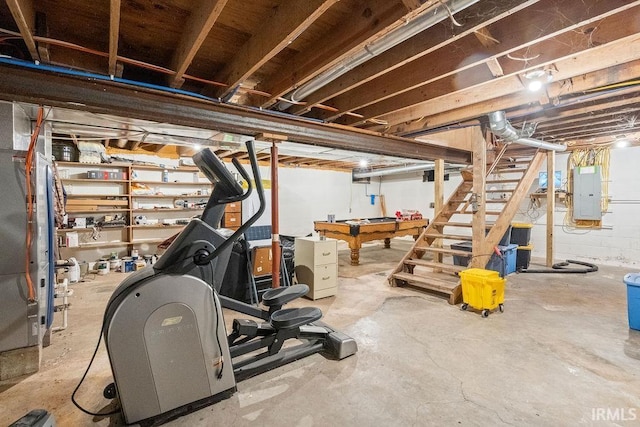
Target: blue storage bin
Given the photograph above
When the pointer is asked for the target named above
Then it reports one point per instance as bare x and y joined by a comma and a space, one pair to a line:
495, 263
508, 262
633, 299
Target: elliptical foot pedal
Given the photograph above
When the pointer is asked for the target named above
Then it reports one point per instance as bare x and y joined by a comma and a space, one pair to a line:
289, 318
281, 296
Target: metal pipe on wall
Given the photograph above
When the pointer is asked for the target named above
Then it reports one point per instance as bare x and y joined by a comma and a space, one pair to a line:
501, 127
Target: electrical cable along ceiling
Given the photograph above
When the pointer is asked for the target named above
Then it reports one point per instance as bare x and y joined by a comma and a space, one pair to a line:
403, 68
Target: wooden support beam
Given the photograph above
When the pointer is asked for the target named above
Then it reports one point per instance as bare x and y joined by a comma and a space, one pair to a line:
24, 15
478, 217
114, 33
202, 19
288, 21
438, 200
551, 204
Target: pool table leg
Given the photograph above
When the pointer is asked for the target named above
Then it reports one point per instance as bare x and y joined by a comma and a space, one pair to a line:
354, 245
387, 243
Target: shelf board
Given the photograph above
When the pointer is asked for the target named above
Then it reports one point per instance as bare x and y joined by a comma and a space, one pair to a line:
104, 181
97, 245
70, 211
169, 168
138, 241
96, 195
167, 210
169, 196
69, 230
95, 165
158, 226
192, 184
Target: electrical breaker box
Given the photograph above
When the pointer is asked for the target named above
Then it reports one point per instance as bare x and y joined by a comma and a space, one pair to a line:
587, 193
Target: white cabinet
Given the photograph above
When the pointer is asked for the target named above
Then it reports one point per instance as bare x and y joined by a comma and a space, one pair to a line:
316, 265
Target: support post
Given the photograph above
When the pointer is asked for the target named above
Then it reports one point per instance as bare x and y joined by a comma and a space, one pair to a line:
275, 219
478, 205
438, 201
551, 203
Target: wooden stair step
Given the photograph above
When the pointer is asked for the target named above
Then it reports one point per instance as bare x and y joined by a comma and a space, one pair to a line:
495, 201
429, 283
502, 181
493, 213
446, 251
509, 170
505, 190
452, 224
433, 264
448, 236
458, 201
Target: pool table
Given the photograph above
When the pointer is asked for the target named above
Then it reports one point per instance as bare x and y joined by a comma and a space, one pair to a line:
355, 232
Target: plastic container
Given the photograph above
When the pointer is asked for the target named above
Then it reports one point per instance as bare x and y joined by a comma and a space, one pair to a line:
523, 257
506, 266
482, 290
521, 233
506, 237
633, 299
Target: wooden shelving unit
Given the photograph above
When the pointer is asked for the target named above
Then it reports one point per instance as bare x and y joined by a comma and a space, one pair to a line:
87, 201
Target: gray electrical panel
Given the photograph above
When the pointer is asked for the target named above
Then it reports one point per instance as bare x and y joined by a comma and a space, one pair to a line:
587, 193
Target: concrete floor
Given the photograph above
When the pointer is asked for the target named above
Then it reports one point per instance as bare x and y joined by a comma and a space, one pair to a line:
560, 354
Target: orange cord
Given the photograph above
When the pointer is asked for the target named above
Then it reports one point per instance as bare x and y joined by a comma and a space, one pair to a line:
30, 205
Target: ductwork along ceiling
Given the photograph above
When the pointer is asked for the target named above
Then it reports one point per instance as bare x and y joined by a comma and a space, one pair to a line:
398, 68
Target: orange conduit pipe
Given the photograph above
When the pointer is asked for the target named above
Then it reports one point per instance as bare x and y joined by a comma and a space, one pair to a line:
31, 290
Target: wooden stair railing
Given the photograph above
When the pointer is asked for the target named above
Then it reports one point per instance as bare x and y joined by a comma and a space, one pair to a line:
443, 276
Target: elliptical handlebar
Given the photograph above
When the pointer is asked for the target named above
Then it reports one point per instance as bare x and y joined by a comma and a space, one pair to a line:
253, 160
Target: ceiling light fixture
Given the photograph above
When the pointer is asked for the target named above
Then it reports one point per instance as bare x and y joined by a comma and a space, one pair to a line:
364, 163
536, 79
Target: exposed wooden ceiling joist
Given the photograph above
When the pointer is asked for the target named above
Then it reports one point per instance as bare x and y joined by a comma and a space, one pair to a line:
473, 19
368, 21
402, 89
114, 33
288, 21
202, 19
25, 17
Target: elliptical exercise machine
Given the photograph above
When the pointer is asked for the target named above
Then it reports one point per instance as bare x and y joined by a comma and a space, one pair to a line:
164, 329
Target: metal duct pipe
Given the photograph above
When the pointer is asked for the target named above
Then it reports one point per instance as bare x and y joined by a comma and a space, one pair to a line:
392, 171
501, 127
393, 38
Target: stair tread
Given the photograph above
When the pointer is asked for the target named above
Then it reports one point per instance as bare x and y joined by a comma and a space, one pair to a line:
495, 201
426, 282
448, 236
502, 181
446, 251
504, 190
453, 224
433, 264
509, 170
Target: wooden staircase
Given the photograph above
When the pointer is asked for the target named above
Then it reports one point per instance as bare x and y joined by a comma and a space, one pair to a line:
507, 183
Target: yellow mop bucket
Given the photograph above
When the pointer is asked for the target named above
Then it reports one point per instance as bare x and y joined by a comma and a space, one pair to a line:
482, 290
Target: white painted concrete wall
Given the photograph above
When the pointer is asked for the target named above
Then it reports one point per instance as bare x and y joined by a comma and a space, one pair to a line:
618, 242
